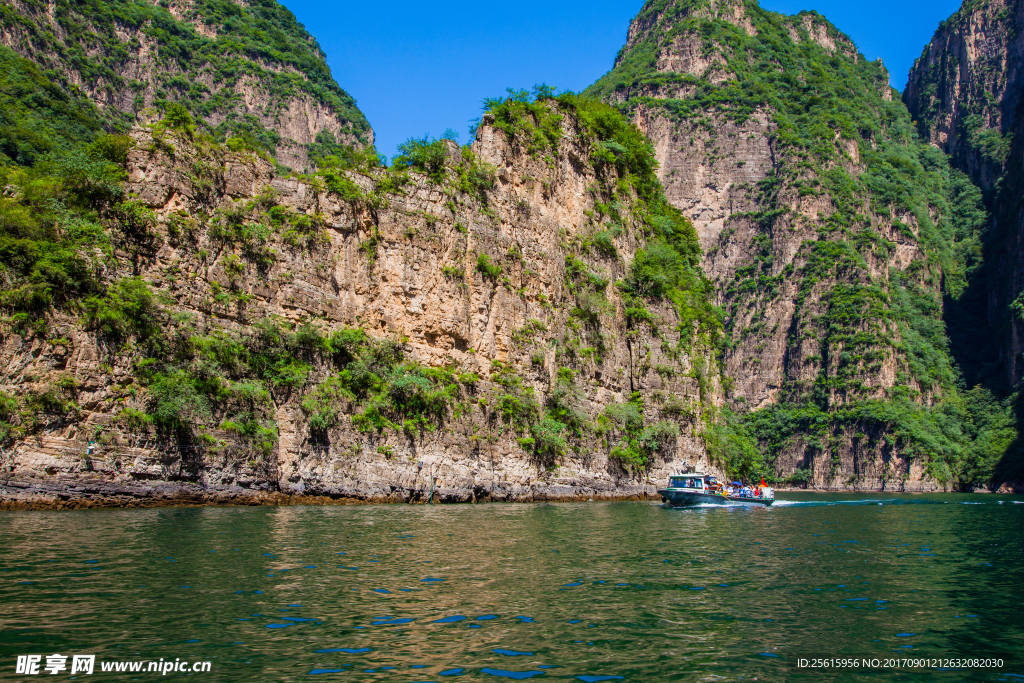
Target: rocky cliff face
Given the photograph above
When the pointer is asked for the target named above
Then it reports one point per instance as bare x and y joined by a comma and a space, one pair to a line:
827, 226
965, 93
532, 317
965, 88
246, 70
372, 334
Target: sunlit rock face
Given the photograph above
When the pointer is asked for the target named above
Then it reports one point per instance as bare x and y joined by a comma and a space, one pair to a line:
780, 141
226, 252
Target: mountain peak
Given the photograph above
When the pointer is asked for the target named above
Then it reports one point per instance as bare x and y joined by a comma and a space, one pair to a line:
687, 36
248, 70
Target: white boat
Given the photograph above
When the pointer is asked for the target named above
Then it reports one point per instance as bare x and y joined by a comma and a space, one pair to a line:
691, 488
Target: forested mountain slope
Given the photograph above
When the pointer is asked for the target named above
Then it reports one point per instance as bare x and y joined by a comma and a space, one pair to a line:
964, 93
246, 70
833, 234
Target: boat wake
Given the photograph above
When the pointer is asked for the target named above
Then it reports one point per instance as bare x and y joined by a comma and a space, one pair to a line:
699, 506
885, 501
816, 503
782, 503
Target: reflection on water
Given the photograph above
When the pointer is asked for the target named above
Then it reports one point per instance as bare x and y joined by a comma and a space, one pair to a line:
589, 591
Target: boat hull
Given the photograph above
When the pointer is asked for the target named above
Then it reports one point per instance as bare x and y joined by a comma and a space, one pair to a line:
681, 499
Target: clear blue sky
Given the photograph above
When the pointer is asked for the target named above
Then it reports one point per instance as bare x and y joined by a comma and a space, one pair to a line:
420, 67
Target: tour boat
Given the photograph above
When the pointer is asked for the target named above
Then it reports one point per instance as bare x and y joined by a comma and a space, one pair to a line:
701, 489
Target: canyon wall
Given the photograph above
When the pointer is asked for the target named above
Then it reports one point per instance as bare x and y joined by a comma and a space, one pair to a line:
965, 95
747, 261
832, 232
399, 255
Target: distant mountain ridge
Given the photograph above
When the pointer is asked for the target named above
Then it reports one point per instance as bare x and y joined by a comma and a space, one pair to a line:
245, 69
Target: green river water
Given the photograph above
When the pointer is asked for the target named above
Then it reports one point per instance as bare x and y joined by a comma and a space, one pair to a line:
627, 591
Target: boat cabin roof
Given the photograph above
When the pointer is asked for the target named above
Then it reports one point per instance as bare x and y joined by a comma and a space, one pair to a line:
687, 481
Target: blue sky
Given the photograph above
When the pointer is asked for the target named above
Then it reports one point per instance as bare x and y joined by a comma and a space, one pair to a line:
419, 67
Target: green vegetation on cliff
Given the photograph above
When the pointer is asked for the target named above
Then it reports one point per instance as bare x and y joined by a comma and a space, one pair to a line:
69, 224
37, 115
630, 194
900, 232
964, 95
63, 211
135, 54
60, 173
839, 134
666, 267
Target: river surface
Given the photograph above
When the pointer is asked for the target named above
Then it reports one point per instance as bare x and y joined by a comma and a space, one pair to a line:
627, 591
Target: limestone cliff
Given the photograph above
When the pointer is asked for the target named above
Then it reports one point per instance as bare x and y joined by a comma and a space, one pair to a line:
365, 333
742, 262
965, 88
831, 231
247, 70
965, 93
